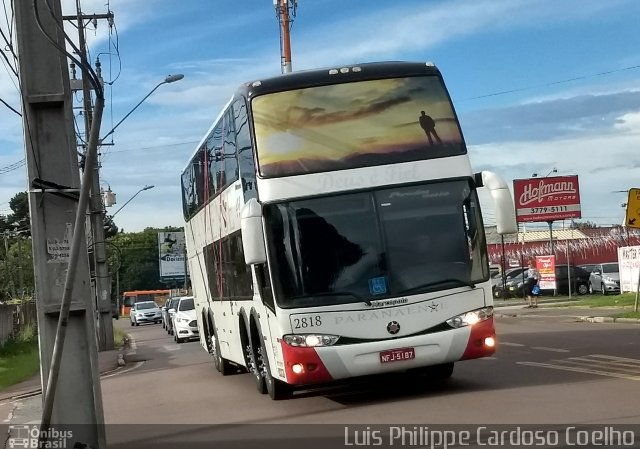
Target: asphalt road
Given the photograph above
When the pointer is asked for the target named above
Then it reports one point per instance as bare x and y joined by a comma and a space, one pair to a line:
547, 369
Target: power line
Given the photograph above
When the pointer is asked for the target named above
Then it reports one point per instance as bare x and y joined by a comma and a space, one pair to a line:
12, 167
10, 107
552, 83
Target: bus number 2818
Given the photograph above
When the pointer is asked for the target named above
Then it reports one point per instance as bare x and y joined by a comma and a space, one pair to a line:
307, 322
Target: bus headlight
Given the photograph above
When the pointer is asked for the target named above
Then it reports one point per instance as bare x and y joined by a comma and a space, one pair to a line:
310, 340
470, 318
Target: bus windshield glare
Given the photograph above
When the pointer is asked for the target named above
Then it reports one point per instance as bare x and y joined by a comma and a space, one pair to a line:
357, 124
377, 244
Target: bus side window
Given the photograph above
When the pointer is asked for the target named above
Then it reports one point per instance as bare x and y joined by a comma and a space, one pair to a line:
264, 286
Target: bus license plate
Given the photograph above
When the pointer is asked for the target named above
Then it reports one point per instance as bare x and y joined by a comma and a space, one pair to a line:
396, 355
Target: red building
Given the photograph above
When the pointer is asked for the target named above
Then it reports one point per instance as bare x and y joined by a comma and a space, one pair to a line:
578, 246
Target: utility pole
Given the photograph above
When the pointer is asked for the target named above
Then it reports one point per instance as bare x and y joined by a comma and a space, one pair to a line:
285, 11
72, 396
98, 254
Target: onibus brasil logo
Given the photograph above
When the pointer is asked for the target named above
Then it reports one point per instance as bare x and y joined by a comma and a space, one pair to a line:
31, 437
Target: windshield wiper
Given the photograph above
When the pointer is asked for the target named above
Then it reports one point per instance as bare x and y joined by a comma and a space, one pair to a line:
427, 285
333, 294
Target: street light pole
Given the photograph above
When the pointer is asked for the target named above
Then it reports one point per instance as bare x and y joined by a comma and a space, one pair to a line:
136, 194
167, 80
102, 281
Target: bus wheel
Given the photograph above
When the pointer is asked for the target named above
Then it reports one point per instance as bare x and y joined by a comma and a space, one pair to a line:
223, 366
277, 389
254, 369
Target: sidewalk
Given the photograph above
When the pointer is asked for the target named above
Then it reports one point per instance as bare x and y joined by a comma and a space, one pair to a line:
515, 307
107, 360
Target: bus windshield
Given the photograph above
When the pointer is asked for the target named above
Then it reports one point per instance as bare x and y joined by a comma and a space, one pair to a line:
377, 244
358, 124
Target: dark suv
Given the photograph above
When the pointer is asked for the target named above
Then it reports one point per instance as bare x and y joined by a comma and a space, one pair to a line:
510, 275
579, 282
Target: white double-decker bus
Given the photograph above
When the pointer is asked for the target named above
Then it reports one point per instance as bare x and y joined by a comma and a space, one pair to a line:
333, 229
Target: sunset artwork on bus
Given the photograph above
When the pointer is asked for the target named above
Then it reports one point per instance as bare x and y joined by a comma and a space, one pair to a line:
333, 229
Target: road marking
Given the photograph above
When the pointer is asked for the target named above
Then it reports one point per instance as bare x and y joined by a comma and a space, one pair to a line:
488, 358
506, 343
126, 370
543, 348
171, 348
617, 359
611, 366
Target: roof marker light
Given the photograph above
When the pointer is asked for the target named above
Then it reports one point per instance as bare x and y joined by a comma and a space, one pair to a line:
333, 72
356, 69
257, 84
430, 64
344, 70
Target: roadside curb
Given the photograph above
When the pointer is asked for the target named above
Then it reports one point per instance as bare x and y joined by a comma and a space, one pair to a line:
30, 393
585, 319
609, 319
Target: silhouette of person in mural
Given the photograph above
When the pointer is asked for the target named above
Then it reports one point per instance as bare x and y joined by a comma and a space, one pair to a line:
429, 126
167, 245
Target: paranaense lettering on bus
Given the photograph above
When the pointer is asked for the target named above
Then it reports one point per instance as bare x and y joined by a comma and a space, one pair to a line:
421, 193
387, 175
372, 315
532, 194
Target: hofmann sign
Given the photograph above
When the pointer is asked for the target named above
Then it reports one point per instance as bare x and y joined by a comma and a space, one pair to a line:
172, 252
547, 199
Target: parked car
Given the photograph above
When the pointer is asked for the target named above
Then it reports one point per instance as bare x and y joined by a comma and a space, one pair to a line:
185, 325
588, 267
164, 310
605, 278
579, 282
145, 312
168, 314
510, 275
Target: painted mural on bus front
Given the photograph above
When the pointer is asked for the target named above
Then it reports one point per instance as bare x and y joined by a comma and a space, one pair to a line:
351, 125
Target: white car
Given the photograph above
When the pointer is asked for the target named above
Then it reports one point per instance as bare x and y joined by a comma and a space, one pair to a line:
185, 325
145, 312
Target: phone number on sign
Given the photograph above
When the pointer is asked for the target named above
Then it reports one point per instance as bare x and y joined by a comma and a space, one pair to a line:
550, 209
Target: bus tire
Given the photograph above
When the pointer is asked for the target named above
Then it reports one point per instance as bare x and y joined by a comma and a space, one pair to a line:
254, 368
223, 366
277, 389
251, 354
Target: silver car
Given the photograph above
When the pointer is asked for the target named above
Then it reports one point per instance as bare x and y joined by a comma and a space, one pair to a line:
145, 312
605, 278
170, 310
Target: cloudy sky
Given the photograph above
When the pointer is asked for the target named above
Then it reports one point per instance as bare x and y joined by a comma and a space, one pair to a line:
537, 84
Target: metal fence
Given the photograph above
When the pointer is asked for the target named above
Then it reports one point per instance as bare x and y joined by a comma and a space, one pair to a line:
14, 318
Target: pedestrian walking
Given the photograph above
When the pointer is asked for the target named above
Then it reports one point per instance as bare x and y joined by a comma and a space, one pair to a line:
533, 277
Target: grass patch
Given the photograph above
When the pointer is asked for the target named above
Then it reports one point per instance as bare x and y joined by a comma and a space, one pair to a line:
630, 314
119, 337
626, 299
19, 358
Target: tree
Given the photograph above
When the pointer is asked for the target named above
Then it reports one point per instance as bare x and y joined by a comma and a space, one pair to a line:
136, 255
583, 225
110, 228
16, 267
19, 219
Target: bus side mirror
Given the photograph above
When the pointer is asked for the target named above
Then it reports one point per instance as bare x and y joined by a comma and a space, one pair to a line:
503, 202
253, 233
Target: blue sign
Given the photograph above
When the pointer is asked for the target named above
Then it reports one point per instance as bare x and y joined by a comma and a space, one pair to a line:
378, 286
